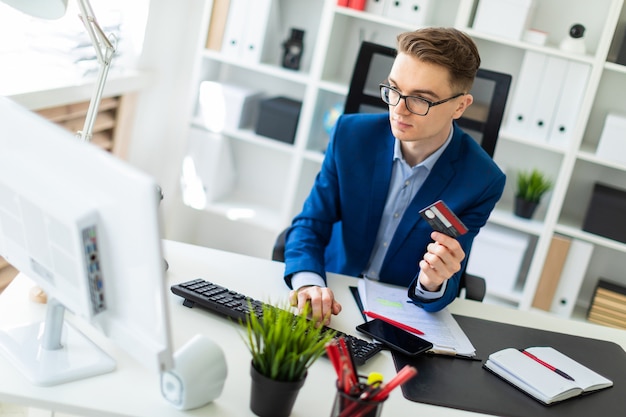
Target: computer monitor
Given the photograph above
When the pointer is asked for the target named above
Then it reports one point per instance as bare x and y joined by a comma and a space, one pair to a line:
84, 225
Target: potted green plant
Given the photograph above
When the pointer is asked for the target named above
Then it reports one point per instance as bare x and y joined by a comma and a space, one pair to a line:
531, 186
283, 346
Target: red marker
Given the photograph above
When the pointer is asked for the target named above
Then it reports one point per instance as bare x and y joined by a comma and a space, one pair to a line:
393, 322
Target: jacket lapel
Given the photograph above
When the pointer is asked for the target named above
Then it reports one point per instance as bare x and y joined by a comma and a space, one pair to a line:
442, 173
381, 175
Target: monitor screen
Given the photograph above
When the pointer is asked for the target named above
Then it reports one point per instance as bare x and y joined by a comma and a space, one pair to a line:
84, 225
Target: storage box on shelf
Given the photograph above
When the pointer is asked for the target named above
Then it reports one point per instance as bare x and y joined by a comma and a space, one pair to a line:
612, 146
505, 18
587, 90
278, 118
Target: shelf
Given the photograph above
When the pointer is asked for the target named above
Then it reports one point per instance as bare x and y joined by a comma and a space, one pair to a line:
314, 156
510, 299
504, 216
267, 69
611, 66
50, 93
577, 233
336, 87
589, 156
248, 135
546, 146
373, 18
240, 209
546, 49
274, 178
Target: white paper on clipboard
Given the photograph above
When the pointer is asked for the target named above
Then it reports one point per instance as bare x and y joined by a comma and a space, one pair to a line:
439, 328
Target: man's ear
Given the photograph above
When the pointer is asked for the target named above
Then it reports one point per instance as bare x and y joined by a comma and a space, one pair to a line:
464, 103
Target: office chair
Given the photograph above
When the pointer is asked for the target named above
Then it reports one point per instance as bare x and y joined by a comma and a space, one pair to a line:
482, 120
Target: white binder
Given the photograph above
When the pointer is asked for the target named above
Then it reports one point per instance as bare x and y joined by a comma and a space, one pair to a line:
256, 26
572, 276
525, 98
415, 12
375, 6
570, 100
234, 31
547, 98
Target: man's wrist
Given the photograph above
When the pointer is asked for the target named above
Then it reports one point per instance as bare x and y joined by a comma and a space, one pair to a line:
306, 279
423, 292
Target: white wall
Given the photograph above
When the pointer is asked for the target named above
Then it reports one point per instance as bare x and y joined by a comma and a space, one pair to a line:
161, 120
159, 136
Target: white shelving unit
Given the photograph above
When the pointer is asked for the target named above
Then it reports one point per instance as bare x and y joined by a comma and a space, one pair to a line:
274, 178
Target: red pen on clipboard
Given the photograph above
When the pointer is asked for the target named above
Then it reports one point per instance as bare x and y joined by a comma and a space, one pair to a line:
393, 322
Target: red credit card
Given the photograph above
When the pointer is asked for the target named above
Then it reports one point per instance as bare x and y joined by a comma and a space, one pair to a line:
443, 220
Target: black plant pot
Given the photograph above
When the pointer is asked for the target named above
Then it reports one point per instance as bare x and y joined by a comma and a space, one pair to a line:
525, 208
272, 398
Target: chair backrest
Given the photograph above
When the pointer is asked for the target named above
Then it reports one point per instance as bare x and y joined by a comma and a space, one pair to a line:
481, 120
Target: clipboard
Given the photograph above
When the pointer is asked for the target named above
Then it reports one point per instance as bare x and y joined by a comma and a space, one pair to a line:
357, 299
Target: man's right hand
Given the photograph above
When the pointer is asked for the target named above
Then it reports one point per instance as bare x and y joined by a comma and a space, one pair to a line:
321, 299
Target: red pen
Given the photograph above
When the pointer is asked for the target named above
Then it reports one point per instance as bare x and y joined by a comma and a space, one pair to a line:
350, 375
547, 365
393, 322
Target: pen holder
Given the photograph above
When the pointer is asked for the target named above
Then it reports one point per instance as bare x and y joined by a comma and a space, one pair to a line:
351, 405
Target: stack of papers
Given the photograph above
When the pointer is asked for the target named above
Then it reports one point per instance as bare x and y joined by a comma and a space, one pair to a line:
440, 328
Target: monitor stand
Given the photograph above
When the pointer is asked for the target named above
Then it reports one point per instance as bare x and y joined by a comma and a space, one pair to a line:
53, 352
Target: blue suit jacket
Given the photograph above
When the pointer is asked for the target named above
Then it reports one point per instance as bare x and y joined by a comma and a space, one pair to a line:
337, 227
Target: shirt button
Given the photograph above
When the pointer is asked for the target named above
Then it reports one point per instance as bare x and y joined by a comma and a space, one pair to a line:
396, 215
407, 182
385, 244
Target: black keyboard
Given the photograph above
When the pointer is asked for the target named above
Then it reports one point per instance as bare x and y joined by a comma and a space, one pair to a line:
237, 306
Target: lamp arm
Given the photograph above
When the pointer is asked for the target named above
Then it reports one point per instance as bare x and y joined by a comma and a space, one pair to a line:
105, 49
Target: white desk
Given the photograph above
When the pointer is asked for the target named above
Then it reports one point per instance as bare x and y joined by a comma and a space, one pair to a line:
133, 391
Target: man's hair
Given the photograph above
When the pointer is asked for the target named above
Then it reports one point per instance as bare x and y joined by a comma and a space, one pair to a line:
447, 47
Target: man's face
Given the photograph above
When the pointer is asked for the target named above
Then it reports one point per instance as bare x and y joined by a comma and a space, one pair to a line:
412, 77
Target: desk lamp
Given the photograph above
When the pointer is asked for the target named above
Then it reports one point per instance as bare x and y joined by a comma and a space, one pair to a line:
105, 47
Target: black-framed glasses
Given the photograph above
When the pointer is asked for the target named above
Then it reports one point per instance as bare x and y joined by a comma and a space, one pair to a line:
416, 105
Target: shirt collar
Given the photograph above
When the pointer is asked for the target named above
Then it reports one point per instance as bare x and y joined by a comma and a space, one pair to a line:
429, 162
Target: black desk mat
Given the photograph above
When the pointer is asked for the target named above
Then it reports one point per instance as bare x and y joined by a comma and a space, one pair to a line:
464, 384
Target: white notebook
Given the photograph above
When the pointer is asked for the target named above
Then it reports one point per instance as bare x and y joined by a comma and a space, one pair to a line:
538, 380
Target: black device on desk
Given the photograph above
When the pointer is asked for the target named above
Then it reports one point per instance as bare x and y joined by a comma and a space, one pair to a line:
394, 337
221, 300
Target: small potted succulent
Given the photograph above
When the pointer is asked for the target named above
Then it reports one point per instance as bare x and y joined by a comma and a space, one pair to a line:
531, 186
283, 346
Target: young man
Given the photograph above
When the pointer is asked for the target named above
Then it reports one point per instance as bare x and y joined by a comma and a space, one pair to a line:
362, 215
